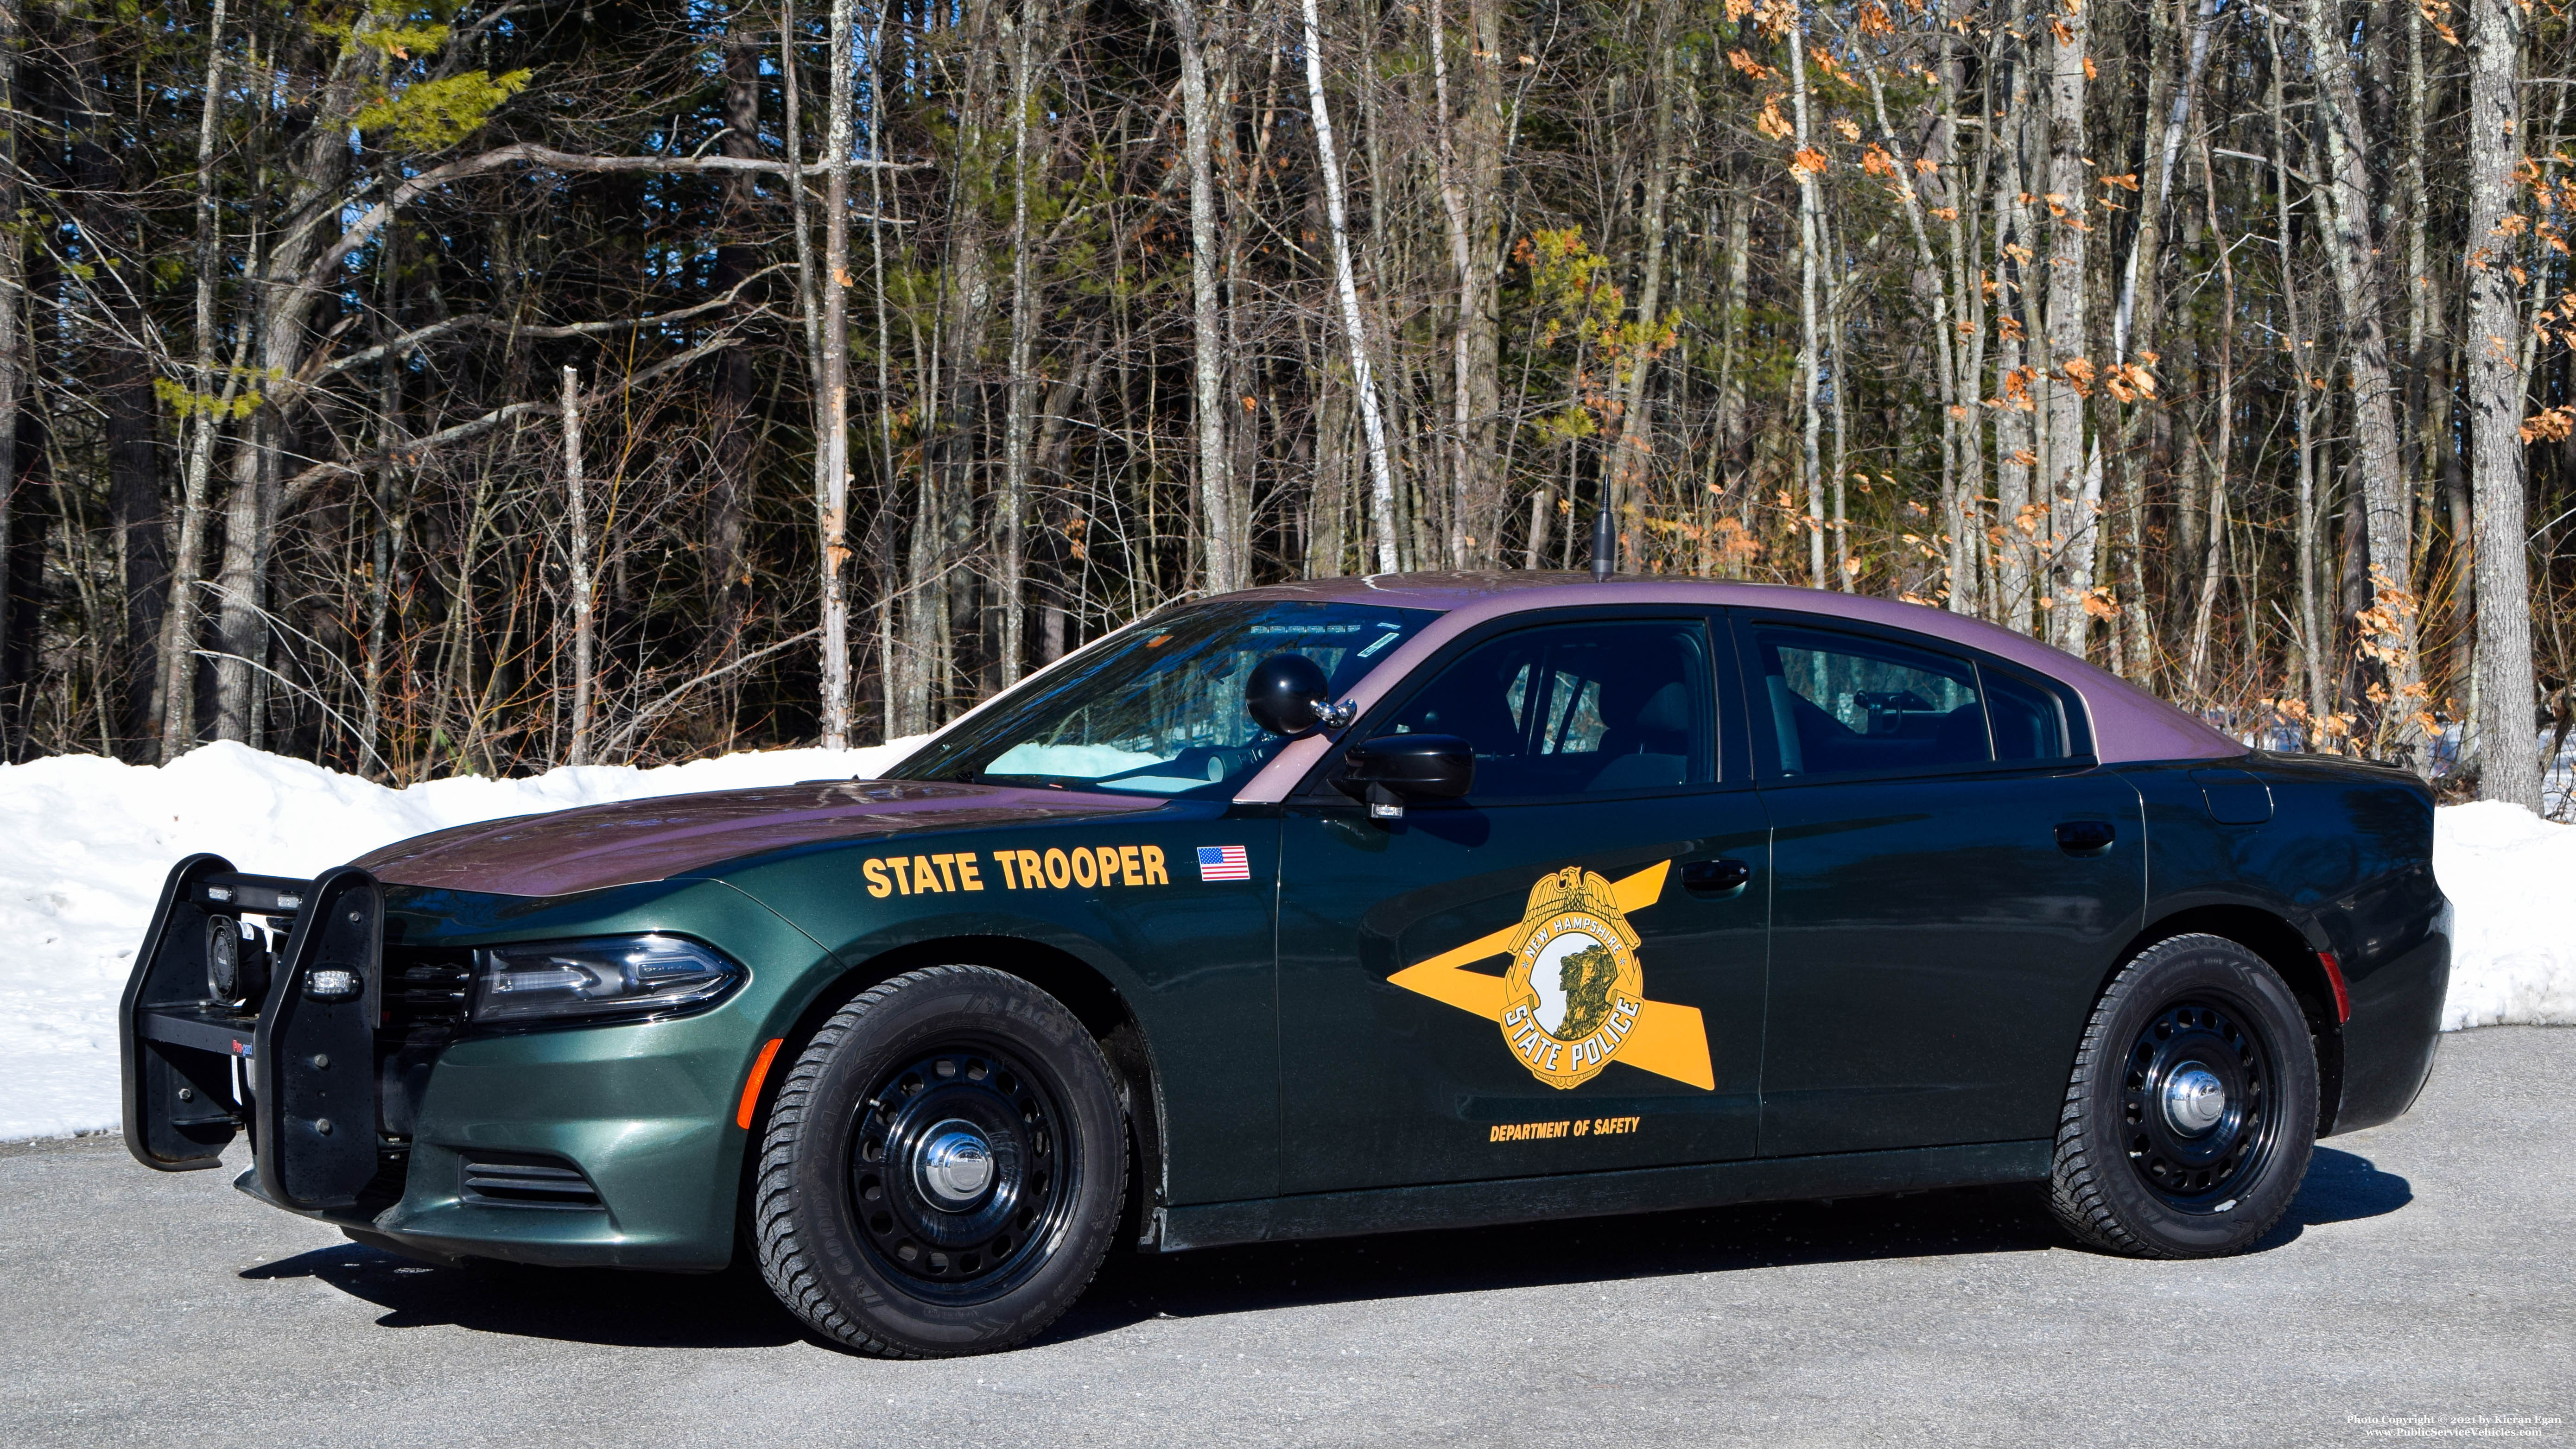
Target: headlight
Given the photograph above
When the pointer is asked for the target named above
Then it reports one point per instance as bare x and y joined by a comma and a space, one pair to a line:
604, 978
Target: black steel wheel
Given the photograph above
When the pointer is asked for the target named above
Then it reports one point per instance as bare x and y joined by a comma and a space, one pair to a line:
943, 1167
955, 1171
2196, 1096
2192, 1109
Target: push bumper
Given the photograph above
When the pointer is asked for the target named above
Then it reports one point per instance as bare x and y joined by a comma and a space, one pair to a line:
612, 1145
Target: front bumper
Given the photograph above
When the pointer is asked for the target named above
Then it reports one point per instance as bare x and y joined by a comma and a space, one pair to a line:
612, 1145
639, 1112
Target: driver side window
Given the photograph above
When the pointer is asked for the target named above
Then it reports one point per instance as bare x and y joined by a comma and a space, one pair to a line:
1576, 709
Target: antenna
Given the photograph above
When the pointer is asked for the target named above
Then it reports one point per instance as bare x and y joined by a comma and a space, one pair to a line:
1605, 537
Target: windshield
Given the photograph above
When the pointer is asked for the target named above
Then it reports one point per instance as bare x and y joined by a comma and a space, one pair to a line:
1159, 711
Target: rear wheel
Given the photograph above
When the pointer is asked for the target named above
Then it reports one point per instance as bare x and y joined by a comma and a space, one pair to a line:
943, 1167
2193, 1107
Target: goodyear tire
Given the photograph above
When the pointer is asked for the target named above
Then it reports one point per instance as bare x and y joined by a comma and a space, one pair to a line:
943, 1167
2193, 1107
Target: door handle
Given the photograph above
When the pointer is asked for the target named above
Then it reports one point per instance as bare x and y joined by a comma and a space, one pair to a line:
1715, 877
2086, 837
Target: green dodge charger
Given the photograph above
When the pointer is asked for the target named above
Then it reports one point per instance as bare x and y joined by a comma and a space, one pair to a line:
1342, 907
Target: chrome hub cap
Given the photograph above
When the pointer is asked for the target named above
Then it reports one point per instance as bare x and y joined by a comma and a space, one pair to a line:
955, 1165
2194, 1099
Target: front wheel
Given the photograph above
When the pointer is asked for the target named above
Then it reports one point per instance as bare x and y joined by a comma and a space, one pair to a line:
943, 1167
2193, 1107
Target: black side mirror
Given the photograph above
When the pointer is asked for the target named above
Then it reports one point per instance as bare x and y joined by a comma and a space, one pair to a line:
1287, 694
1392, 769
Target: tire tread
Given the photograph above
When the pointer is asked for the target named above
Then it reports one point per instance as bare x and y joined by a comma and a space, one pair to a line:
2075, 1195
784, 1259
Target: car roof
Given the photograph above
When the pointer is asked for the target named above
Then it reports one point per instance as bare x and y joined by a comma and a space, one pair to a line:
2129, 725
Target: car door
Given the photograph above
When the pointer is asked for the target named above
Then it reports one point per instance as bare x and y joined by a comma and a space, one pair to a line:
1562, 971
1952, 876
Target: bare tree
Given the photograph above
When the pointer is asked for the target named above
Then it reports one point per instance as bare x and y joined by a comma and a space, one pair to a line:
2508, 759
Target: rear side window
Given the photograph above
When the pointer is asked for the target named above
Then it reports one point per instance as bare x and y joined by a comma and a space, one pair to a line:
2028, 722
1843, 704
1576, 709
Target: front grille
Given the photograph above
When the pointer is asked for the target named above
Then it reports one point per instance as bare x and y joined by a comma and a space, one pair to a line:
426, 988
528, 1181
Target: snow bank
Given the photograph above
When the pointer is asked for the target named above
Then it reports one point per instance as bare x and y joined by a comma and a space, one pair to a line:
2511, 878
85, 842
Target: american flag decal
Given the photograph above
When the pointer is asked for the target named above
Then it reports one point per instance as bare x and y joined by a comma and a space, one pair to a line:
1223, 862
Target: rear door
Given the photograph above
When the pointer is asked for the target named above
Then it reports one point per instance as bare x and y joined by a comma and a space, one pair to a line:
1555, 974
1952, 876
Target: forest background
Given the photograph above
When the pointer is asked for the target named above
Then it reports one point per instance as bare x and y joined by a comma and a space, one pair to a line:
430, 388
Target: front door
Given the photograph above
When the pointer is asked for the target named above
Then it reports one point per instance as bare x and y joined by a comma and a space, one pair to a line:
1564, 971
1945, 903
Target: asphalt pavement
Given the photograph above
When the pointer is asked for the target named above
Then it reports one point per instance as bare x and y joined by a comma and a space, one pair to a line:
2419, 1288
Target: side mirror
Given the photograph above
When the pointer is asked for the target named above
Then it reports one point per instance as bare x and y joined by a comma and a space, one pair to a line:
1392, 769
1287, 694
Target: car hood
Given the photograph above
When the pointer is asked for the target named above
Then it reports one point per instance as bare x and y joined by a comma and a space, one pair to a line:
633, 841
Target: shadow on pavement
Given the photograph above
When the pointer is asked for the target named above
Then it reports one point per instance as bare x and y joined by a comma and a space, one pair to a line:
577, 1305
734, 1310
2341, 1188
2010, 1219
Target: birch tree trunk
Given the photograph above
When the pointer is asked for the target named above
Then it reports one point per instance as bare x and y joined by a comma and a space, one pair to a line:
735, 400
1023, 382
577, 554
178, 622
317, 166
1468, 160
1382, 521
2214, 552
12, 382
832, 453
2073, 496
2305, 551
2509, 764
1632, 464
1810, 353
1220, 548
2015, 457
2386, 507
2139, 316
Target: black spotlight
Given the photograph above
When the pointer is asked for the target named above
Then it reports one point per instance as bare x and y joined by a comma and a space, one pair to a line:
223, 958
236, 963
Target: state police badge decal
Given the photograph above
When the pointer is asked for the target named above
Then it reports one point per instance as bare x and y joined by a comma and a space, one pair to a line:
1572, 995
1573, 998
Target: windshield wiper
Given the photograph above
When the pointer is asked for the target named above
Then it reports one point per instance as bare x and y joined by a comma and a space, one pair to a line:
1050, 782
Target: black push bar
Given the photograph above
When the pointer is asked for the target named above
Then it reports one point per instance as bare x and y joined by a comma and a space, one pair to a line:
214, 1037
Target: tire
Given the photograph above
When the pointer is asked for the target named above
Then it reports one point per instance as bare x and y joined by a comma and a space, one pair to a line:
943, 1167
2192, 1109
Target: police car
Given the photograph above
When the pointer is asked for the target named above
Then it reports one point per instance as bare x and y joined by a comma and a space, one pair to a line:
1331, 908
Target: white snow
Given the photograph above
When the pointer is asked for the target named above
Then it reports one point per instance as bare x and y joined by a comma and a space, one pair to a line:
85, 842
2511, 879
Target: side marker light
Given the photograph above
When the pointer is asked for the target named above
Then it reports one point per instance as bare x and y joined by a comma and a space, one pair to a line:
751, 1088
2334, 978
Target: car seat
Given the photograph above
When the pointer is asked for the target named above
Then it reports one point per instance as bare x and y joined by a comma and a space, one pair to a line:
1652, 749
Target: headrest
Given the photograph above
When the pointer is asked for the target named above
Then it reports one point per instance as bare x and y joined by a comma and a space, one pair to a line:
1667, 709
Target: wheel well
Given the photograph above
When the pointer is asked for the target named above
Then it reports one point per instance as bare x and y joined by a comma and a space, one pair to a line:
1084, 991
2288, 953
